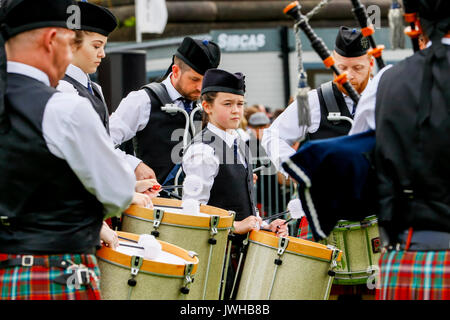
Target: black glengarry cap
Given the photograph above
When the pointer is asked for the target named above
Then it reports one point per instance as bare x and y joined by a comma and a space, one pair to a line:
218, 80
200, 55
351, 43
96, 18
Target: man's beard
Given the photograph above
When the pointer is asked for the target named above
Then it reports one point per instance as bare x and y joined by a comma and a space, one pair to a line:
359, 88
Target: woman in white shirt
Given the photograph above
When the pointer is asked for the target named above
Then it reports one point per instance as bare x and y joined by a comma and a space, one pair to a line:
88, 50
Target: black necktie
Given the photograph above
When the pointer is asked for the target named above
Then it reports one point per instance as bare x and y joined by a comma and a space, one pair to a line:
187, 105
235, 150
89, 86
354, 108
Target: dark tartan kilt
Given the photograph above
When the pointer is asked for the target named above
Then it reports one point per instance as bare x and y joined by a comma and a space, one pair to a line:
36, 282
414, 275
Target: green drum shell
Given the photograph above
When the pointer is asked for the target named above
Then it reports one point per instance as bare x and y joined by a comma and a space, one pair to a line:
192, 239
358, 258
149, 286
299, 277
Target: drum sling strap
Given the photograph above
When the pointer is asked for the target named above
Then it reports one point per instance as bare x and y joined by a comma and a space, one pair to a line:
161, 93
330, 100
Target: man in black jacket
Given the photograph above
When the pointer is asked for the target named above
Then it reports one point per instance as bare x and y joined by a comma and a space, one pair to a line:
412, 157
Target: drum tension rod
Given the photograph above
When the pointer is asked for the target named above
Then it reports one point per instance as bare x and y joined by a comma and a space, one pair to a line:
214, 222
136, 263
187, 278
282, 245
158, 215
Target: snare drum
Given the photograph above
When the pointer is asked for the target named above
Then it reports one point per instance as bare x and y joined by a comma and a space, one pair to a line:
206, 234
125, 274
361, 250
286, 268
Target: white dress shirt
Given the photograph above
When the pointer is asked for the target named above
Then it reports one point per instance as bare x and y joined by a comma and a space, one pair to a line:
133, 112
201, 161
77, 74
73, 132
365, 113
278, 139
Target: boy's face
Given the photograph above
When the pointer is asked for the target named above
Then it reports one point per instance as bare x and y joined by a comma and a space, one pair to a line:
226, 111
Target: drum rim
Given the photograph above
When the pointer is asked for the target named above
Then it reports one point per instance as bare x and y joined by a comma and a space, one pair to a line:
292, 252
173, 224
355, 225
152, 267
177, 219
295, 245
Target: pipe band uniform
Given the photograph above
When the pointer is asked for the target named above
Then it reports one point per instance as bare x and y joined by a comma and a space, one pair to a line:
52, 214
221, 159
412, 170
151, 115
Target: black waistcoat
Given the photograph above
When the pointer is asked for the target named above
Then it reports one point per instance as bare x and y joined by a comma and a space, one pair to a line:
49, 209
412, 164
96, 100
159, 144
327, 128
233, 185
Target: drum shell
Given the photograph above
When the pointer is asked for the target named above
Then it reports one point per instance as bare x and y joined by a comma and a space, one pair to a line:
113, 284
299, 277
358, 256
192, 239
163, 283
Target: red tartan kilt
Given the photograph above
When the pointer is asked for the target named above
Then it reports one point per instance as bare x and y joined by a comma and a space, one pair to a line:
414, 275
36, 282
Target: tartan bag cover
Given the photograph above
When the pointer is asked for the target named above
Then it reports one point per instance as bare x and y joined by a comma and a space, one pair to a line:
36, 282
304, 231
414, 275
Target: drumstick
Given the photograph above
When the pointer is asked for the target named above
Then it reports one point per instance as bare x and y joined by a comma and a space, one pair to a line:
123, 238
130, 245
287, 221
276, 215
158, 187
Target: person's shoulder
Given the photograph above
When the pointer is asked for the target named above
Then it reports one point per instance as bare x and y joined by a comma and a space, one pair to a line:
65, 86
67, 103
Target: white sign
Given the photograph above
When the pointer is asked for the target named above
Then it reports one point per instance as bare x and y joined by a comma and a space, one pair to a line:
241, 42
151, 17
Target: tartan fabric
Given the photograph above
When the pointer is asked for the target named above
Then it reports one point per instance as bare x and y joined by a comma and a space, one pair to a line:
36, 282
304, 231
414, 275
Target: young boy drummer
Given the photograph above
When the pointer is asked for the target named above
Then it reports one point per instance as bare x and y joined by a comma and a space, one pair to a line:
220, 158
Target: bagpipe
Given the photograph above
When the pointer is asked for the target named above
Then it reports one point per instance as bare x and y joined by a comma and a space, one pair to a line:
336, 179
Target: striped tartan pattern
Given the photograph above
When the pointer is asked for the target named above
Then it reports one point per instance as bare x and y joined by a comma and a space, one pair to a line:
304, 231
414, 275
36, 282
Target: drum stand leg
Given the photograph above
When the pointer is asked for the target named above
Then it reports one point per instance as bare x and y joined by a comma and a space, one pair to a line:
237, 273
244, 245
207, 272
224, 279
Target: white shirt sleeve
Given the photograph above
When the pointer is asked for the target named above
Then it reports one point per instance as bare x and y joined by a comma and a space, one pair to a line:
128, 158
131, 116
74, 132
278, 139
199, 160
365, 112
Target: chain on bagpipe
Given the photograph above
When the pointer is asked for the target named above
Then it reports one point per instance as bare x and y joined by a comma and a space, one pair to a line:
304, 118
